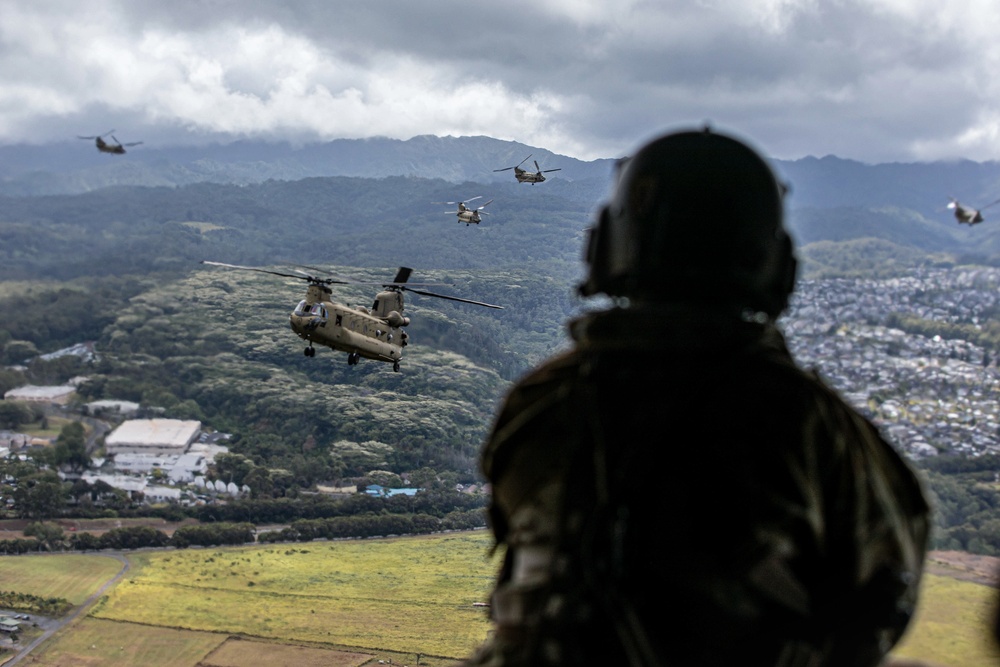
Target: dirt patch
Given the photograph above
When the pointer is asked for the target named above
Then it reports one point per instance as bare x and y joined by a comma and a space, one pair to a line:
965, 566
236, 653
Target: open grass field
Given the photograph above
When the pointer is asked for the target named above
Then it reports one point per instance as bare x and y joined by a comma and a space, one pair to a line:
349, 601
70, 576
413, 594
952, 625
92, 642
99, 643
48, 428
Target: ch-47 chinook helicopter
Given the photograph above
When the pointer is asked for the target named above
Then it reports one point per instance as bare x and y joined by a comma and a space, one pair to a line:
373, 333
967, 215
525, 176
468, 215
118, 148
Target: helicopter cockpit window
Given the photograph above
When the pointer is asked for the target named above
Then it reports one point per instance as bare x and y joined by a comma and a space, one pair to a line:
306, 310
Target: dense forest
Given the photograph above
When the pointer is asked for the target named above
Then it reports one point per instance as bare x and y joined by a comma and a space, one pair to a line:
216, 346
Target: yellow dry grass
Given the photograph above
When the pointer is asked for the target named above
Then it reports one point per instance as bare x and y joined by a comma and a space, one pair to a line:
409, 595
70, 576
92, 642
406, 595
952, 624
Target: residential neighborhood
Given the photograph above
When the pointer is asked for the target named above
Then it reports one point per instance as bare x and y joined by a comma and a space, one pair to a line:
929, 394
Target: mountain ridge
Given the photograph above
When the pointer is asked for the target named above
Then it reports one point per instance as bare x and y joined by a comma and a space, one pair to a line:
382, 202
72, 168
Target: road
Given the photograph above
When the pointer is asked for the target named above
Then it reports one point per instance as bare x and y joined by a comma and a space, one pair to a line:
59, 624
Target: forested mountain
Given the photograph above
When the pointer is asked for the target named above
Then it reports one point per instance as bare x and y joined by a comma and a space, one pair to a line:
352, 187
353, 221
71, 168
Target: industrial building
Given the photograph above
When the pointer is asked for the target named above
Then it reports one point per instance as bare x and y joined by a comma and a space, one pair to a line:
34, 394
156, 437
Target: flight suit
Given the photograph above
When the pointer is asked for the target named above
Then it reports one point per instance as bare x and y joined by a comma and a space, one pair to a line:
675, 490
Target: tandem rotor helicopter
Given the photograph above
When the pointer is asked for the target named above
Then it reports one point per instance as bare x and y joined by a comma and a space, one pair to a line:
468, 215
967, 215
117, 148
373, 333
525, 176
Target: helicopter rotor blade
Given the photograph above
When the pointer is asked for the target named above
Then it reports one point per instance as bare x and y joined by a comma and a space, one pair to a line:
332, 279
548, 170
258, 270
495, 170
990, 204
402, 275
298, 275
464, 201
451, 298
485, 205
523, 161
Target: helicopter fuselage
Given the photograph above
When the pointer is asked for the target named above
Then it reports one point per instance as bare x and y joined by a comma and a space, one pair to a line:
967, 216
469, 217
105, 147
374, 333
523, 176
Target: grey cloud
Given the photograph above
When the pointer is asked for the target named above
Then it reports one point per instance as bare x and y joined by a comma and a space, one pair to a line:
860, 78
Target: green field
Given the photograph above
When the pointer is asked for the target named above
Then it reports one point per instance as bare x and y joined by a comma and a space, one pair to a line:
952, 625
70, 576
408, 594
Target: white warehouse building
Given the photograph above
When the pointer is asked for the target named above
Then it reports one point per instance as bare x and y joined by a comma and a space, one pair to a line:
157, 437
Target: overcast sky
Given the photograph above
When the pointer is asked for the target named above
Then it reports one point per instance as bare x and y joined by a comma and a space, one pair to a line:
870, 80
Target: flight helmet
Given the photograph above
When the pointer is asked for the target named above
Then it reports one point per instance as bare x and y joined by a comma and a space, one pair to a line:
695, 216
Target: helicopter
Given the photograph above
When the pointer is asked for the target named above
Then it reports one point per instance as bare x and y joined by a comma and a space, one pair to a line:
372, 333
117, 148
524, 176
469, 215
967, 215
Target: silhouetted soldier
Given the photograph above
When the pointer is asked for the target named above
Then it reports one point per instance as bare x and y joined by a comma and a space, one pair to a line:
675, 490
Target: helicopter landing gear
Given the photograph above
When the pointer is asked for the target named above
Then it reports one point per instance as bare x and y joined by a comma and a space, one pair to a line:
395, 366
353, 358
309, 351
